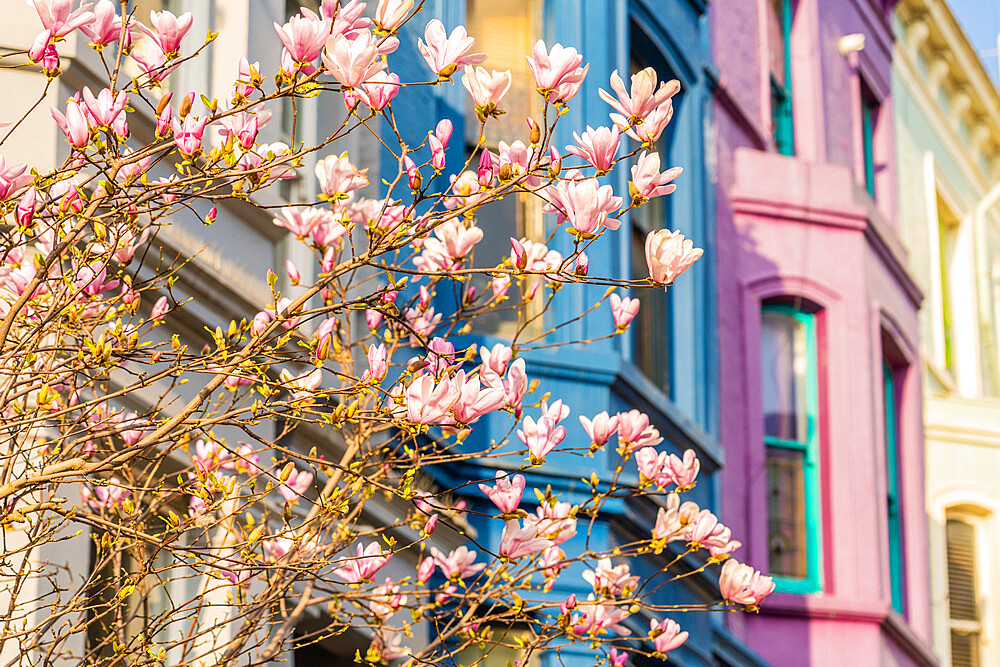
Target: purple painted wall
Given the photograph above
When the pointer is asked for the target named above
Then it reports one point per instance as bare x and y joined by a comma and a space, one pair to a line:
804, 226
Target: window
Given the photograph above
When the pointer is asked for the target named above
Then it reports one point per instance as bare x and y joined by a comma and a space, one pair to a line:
869, 118
779, 33
506, 31
790, 400
894, 526
963, 595
947, 238
652, 328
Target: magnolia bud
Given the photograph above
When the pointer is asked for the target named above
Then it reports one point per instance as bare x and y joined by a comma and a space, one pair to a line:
485, 169
164, 101
536, 132
212, 213
186, 105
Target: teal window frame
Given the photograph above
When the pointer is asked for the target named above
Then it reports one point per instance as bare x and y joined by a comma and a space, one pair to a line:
893, 518
812, 582
781, 96
869, 110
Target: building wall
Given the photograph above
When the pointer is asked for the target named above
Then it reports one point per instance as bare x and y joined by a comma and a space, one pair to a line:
948, 151
804, 228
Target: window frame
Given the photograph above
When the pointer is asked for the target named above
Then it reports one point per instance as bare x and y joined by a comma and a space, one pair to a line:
869, 120
782, 110
812, 496
894, 521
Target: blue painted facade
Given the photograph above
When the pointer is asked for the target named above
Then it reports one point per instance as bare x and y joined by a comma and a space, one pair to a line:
672, 36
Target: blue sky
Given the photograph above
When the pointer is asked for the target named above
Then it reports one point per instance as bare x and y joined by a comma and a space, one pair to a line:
981, 21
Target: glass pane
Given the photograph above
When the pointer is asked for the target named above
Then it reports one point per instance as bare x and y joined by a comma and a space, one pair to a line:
776, 40
506, 31
784, 369
650, 328
500, 221
786, 505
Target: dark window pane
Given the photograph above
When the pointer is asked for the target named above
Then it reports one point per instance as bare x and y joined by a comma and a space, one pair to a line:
500, 221
784, 368
650, 328
786, 500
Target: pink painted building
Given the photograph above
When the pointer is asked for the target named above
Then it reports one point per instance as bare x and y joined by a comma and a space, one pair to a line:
819, 371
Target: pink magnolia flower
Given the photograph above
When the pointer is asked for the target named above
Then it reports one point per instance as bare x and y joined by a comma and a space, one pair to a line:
600, 428
163, 121
650, 130
348, 19
650, 463
362, 568
682, 472
485, 171
517, 541
353, 61
506, 492
450, 245
12, 179
188, 134
553, 561
301, 221
338, 177
74, 124
582, 264
373, 318
277, 547
458, 564
106, 496
496, 358
105, 108
598, 147
426, 569
378, 362
247, 77
244, 126
106, 26
631, 424
438, 156
673, 521
40, 46
517, 159
642, 101
429, 403
516, 385
608, 579
304, 35
666, 635
50, 61
302, 386
168, 30
742, 584
295, 486
445, 54
648, 181
152, 60
600, 618
500, 285
486, 88
480, 396
379, 90
26, 207
60, 18
669, 254
623, 310
557, 73
617, 658
586, 203
390, 14
554, 520
93, 279
543, 436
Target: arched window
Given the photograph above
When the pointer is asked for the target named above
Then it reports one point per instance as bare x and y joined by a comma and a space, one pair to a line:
964, 612
789, 394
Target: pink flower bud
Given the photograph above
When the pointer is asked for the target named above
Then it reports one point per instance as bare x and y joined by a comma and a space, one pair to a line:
431, 524
159, 309
500, 285
163, 121
389, 296
426, 570
293, 272
260, 322
425, 297
212, 213
443, 132
517, 256
582, 264
25, 212
437, 152
555, 162
412, 172
485, 171
373, 318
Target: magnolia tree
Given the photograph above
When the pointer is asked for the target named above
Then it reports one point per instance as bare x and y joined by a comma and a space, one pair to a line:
213, 534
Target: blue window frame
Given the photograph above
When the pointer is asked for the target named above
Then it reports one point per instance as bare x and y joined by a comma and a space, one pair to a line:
789, 391
780, 45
